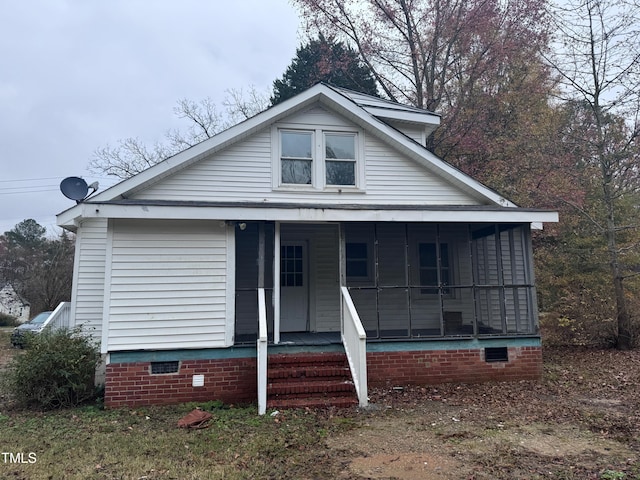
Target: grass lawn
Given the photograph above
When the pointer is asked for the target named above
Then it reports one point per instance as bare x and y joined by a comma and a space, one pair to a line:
88, 443
580, 422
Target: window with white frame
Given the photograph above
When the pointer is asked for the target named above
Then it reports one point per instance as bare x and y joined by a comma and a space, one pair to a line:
296, 158
340, 158
318, 158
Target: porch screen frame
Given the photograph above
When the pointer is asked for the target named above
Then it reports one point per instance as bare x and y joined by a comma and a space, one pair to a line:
465, 289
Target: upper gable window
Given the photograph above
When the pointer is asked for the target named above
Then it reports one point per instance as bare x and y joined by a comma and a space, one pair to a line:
340, 158
318, 159
296, 157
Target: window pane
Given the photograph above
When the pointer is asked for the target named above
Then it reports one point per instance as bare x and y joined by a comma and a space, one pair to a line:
444, 255
340, 146
296, 171
428, 255
357, 268
296, 144
356, 250
341, 173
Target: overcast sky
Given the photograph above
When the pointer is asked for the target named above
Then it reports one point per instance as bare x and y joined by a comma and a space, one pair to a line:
76, 75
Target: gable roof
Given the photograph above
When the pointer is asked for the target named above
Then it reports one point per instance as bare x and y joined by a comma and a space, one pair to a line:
362, 110
10, 291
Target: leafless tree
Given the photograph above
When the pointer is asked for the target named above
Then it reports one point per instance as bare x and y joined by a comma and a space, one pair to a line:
203, 120
597, 55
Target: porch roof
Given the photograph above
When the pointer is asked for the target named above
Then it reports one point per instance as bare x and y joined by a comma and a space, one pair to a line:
302, 212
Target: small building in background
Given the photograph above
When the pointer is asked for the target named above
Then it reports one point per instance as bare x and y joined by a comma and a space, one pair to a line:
13, 304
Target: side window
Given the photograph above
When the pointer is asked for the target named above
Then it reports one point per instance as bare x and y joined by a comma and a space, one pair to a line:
428, 258
340, 158
357, 261
296, 157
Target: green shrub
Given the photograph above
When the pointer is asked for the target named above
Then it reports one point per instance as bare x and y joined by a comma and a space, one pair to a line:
8, 320
56, 371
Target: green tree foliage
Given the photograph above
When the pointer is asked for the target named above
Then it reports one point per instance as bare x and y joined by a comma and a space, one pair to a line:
39, 268
324, 60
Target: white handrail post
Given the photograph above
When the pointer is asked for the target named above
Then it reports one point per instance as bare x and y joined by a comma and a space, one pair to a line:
354, 339
262, 353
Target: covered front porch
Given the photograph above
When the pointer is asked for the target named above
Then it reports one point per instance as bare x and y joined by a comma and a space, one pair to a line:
405, 280
345, 284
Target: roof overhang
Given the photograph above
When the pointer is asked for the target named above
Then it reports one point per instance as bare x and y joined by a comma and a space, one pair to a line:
311, 213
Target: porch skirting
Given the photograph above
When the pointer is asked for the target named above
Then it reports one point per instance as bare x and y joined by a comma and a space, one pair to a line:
229, 375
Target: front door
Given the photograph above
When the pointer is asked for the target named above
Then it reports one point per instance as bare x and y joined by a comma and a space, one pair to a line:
294, 288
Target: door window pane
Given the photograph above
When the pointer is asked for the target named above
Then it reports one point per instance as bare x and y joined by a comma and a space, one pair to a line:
291, 266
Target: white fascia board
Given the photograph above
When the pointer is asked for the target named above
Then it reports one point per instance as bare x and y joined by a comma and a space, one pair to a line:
314, 215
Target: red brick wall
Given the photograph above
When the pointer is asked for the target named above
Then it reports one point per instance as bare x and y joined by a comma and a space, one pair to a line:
230, 380
234, 380
445, 366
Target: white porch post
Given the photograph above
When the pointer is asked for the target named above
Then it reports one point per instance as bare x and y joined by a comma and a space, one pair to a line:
341, 268
276, 284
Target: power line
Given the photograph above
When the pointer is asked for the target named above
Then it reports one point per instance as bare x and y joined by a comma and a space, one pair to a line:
29, 179
29, 191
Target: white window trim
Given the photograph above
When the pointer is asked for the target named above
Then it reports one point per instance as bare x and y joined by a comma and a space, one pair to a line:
318, 167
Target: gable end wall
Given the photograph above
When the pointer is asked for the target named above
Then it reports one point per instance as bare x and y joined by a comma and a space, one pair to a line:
243, 172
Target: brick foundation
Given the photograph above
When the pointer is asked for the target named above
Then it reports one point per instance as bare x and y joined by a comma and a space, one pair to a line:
451, 366
234, 380
230, 380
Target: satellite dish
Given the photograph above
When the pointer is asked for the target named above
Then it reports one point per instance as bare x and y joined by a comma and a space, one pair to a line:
74, 188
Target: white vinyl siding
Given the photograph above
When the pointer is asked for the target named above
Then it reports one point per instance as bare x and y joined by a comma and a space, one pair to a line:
244, 172
168, 285
414, 132
89, 272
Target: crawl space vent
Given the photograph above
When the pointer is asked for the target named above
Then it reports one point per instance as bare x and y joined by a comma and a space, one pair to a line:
496, 354
164, 367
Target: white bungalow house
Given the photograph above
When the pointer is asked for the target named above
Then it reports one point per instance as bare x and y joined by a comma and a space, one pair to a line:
312, 251
12, 304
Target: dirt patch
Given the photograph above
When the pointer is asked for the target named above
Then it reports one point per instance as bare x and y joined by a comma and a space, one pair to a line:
406, 466
425, 445
582, 421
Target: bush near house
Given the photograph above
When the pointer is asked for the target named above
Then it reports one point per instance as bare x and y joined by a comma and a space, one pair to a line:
8, 320
56, 371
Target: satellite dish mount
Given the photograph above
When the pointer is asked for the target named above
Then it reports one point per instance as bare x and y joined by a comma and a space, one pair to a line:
77, 189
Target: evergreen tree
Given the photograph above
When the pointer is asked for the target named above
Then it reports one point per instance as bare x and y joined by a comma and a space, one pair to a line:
324, 60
